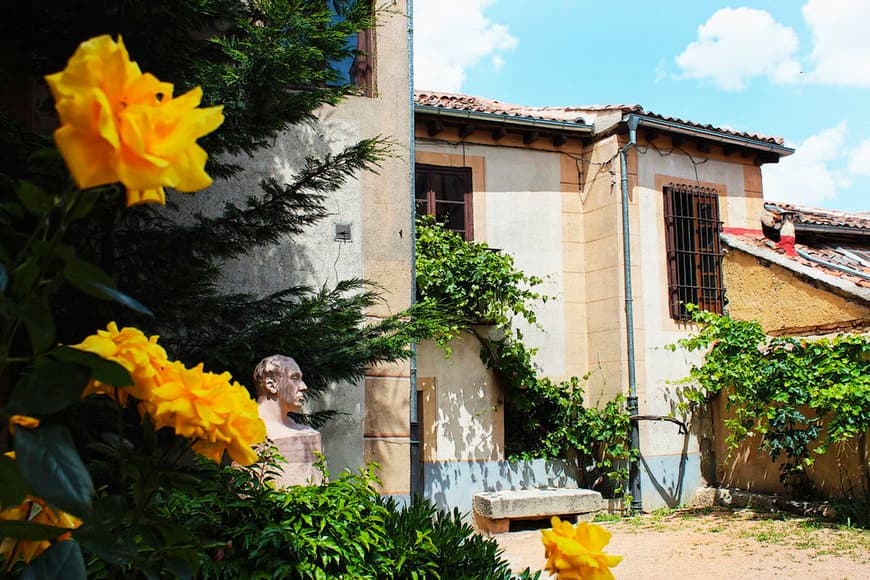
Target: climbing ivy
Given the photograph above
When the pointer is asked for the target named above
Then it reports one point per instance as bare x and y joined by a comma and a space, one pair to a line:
471, 283
800, 395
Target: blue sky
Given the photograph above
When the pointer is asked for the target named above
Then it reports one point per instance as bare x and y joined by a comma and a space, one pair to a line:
798, 69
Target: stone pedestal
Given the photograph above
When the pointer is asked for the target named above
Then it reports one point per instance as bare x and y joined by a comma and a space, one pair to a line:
298, 452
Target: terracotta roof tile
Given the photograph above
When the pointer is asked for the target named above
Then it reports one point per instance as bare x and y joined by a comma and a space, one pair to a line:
824, 217
461, 102
851, 256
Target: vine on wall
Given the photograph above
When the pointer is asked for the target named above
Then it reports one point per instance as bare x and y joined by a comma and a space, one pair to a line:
800, 395
470, 283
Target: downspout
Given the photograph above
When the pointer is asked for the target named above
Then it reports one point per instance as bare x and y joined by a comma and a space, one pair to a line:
416, 477
632, 403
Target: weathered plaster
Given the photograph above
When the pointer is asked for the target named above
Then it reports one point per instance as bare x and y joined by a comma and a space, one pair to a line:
779, 298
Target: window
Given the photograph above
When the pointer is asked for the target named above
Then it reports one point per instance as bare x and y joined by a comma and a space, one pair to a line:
694, 253
357, 68
445, 192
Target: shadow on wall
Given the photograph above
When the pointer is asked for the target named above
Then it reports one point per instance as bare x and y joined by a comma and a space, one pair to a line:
664, 478
452, 484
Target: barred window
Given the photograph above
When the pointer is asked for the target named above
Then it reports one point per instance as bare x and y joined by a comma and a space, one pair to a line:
694, 250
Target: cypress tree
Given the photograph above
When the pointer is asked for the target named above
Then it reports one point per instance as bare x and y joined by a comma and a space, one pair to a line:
270, 63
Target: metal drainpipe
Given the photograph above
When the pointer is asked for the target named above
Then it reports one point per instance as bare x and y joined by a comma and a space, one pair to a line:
416, 477
632, 403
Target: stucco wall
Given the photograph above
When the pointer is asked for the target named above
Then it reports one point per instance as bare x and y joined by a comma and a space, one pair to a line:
780, 299
519, 212
378, 209
462, 415
672, 461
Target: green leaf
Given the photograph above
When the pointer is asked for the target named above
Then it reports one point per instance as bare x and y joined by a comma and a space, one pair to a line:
29, 531
85, 203
34, 198
63, 561
92, 280
115, 548
52, 466
105, 371
24, 277
39, 323
83, 275
4, 278
121, 298
12, 483
49, 388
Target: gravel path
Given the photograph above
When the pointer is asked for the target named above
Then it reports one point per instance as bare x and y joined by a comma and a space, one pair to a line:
719, 543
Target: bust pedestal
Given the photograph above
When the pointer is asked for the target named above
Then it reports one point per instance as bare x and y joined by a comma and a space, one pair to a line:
298, 449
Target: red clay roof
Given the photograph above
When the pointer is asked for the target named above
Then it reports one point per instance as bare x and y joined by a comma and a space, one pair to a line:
823, 217
460, 102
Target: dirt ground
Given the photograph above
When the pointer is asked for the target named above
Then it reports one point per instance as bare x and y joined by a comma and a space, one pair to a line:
719, 543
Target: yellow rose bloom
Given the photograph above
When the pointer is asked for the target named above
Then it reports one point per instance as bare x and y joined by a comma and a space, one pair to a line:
129, 347
214, 411
575, 553
118, 124
22, 421
36, 511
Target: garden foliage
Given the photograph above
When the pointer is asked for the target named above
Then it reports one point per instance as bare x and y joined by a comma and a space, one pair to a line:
342, 529
800, 396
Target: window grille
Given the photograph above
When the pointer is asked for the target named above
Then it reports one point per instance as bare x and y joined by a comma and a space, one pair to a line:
445, 192
694, 250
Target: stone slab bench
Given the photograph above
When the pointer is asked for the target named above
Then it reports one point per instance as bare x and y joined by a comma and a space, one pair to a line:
494, 510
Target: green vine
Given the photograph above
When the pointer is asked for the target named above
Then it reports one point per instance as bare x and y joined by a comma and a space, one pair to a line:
470, 283
800, 395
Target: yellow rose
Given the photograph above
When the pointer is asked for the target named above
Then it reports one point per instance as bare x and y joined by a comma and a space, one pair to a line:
22, 421
118, 124
134, 351
214, 411
575, 553
36, 511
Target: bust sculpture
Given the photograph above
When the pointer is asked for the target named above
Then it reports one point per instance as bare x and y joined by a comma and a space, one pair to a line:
281, 390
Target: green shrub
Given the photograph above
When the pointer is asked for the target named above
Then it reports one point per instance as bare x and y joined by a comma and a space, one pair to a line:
338, 530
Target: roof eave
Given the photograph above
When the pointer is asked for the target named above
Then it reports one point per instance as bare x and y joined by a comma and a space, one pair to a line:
516, 120
709, 134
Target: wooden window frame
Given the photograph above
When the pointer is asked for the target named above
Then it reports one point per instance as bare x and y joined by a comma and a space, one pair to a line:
432, 199
694, 250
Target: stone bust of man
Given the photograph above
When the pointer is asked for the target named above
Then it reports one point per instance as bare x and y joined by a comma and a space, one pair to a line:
280, 390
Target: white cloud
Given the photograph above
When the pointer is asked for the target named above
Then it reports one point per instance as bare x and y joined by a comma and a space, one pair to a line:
841, 45
859, 160
452, 35
809, 177
738, 44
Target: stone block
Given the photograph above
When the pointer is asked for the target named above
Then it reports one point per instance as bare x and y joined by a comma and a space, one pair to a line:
536, 503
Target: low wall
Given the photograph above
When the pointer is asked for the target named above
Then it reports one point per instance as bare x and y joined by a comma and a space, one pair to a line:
837, 473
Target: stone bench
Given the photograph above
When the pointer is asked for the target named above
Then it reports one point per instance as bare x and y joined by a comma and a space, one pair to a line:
494, 510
